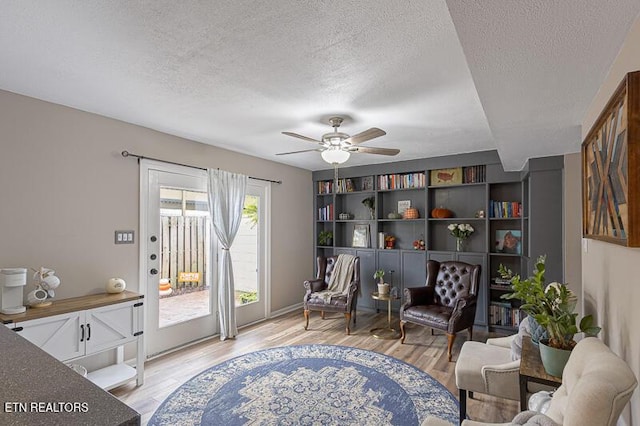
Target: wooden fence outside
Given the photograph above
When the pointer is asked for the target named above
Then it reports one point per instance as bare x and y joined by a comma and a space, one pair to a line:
185, 241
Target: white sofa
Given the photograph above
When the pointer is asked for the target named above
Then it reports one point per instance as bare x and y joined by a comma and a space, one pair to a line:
596, 385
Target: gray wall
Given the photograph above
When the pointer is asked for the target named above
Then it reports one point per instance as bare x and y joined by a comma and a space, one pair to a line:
65, 188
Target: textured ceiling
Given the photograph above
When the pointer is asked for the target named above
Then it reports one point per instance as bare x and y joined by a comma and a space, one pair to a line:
235, 74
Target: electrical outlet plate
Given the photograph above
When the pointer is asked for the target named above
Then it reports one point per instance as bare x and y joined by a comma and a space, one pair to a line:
124, 237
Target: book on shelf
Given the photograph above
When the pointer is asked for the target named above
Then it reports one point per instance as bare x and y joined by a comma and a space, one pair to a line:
505, 209
325, 187
474, 174
502, 281
503, 314
381, 236
345, 185
326, 212
402, 181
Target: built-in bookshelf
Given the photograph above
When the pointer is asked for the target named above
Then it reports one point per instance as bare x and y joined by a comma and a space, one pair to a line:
494, 202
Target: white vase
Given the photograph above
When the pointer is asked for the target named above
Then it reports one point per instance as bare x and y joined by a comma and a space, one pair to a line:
383, 288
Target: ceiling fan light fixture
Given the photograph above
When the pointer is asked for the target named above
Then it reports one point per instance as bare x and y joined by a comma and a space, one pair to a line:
335, 156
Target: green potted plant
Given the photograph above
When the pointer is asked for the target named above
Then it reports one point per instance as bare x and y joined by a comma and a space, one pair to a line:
383, 288
325, 238
553, 308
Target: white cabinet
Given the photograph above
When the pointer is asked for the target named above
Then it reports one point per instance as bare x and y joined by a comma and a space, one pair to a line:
83, 330
59, 335
110, 326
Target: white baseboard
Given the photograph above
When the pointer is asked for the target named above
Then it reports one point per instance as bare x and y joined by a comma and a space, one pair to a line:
288, 309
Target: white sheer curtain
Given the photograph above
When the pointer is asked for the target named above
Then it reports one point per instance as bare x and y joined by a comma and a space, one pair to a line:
226, 200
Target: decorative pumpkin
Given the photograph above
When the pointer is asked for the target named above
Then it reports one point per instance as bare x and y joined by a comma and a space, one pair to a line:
411, 213
115, 285
441, 213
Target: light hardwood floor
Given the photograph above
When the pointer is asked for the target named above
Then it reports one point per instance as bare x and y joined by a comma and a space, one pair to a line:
428, 353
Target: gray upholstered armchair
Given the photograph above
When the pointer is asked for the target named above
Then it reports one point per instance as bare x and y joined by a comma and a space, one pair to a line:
447, 301
343, 303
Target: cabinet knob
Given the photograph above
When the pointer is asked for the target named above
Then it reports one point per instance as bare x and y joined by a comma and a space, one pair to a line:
153, 271
153, 257
154, 238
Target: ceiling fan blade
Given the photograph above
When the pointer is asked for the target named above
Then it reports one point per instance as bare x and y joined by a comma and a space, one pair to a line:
370, 150
306, 138
298, 152
373, 132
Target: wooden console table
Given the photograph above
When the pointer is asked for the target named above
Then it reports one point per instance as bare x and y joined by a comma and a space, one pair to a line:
71, 329
531, 370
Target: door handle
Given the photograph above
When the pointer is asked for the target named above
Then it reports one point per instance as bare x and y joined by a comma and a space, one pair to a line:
88, 332
82, 334
153, 271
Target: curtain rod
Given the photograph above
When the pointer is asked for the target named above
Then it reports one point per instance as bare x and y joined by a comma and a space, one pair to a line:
142, 157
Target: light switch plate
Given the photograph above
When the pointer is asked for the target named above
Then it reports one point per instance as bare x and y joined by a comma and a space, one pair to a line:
124, 237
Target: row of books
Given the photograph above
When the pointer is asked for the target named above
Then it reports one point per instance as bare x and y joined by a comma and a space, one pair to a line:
345, 185
326, 212
503, 314
474, 174
505, 208
404, 181
325, 187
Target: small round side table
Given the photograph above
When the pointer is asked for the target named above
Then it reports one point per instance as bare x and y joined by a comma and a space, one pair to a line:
388, 332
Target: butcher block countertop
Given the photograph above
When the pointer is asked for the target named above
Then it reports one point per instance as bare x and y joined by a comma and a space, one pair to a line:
37, 389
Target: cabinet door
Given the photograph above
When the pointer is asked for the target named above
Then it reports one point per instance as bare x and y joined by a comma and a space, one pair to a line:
414, 268
368, 284
59, 335
440, 256
110, 326
478, 259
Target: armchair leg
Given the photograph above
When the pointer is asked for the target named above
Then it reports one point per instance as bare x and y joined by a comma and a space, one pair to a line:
354, 317
470, 330
463, 405
450, 339
402, 323
306, 316
432, 332
322, 314
347, 316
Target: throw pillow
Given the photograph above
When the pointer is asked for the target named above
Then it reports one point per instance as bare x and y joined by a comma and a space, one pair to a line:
516, 343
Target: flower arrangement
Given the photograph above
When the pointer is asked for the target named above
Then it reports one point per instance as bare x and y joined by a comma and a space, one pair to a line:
552, 307
461, 230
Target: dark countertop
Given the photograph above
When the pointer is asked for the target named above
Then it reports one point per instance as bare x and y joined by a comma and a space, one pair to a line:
30, 379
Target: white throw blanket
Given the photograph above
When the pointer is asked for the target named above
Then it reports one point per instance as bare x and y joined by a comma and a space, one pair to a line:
340, 278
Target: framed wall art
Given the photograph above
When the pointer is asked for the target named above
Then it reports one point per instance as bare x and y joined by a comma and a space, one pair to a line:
360, 236
451, 176
611, 169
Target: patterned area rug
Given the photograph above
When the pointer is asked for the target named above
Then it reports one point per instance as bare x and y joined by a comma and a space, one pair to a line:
308, 385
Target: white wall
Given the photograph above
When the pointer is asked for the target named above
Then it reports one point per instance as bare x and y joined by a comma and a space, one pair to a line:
610, 280
65, 189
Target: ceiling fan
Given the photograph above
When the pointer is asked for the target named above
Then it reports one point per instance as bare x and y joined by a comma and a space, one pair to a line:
336, 147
